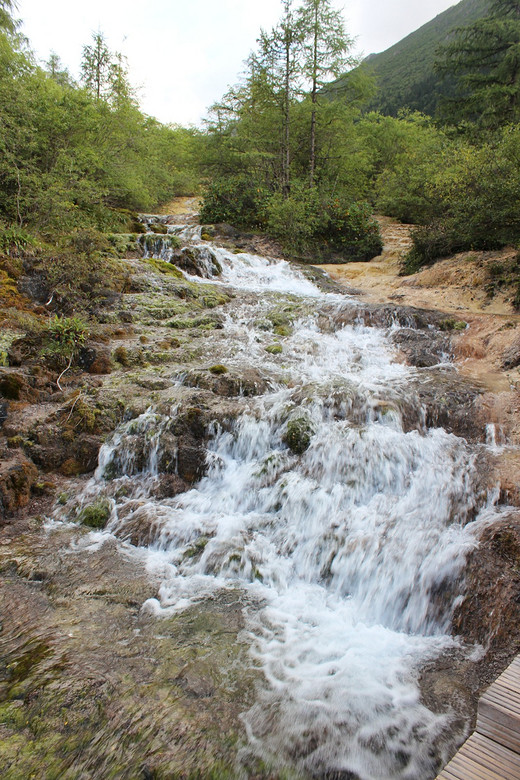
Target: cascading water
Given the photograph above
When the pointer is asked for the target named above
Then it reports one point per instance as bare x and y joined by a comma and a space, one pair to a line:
346, 532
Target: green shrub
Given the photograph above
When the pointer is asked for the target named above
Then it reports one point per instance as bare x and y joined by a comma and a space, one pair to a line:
65, 336
304, 222
294, 220
236, 199
351, 229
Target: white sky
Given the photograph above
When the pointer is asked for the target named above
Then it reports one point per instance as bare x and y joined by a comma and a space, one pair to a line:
183, 54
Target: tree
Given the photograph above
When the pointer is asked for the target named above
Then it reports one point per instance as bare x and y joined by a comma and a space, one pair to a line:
325, 55
485, 57
95, 65
279, 57
7, 23
57, 71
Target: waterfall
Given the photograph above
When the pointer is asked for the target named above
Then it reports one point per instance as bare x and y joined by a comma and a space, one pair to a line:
346, 529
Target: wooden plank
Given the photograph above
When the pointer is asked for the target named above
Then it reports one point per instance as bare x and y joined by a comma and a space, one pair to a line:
483, 752
500, 713
471, 769
492, 747
505, 698
497, 734
492, 752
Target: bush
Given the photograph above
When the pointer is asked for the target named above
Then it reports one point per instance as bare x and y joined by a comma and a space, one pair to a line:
294, 220
303, 222
65, 336
236, 199
350, 229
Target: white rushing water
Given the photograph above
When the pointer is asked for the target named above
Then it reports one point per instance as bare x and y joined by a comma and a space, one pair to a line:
349, 546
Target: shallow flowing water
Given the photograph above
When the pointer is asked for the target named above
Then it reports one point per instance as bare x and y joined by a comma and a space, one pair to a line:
345, 530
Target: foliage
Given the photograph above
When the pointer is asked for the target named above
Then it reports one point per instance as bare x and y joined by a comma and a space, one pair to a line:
237, 199
68, 159
65, 336
404, 74
13, 239
483, 57
304, 222
475, 197
294, 220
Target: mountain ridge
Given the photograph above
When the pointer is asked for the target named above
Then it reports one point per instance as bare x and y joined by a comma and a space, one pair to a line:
404, 73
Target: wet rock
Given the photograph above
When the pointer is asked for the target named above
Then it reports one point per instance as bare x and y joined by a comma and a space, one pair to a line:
17, 477
511, 358
197, 260
4, 407
248, 383
298, 435
169, 486
489, 613
95, 360
35, 286
422, 349
96, 515
447, 401
53, 448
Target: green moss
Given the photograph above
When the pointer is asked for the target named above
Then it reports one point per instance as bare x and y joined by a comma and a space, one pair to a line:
96, 515
207, 321
164, 268
196, 549
121, 355
283, 330
298, 435
452, 324
274, 349
218, 369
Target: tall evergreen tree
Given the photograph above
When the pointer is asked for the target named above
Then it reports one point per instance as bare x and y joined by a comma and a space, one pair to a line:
95, 65
485, 56
325, 55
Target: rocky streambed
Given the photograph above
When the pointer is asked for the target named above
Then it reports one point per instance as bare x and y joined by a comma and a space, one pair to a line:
266, 531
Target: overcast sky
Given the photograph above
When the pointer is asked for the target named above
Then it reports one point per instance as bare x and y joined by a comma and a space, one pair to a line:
184, 53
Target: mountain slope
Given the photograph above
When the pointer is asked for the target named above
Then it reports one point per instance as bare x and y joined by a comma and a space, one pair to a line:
404, 73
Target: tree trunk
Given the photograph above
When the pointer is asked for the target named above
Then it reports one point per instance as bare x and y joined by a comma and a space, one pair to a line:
314, 99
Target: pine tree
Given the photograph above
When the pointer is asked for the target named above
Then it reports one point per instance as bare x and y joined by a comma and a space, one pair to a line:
325, 55
485, 57
95, 66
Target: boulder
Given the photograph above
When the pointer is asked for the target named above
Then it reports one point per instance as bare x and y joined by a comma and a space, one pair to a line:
17, 477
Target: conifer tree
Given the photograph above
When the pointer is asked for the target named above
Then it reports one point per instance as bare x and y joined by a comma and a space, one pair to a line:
95, 65
325, 55
485, 57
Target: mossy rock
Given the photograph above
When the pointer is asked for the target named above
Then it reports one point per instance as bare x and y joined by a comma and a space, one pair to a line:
298, 435
218, 369
164, 268
283, 330
96, 515
274, 349
452, 324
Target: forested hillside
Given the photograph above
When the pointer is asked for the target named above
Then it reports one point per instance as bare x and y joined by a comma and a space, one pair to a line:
404, 75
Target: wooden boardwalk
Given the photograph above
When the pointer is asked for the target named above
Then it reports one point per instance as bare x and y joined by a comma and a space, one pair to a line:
493, 750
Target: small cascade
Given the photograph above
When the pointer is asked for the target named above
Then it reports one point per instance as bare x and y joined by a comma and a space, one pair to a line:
346, 530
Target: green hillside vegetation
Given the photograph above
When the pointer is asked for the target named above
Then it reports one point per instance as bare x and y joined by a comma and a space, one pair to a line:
77, 156
404, 74
277, 156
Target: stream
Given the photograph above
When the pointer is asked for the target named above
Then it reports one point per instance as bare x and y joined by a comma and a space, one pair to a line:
344, 527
